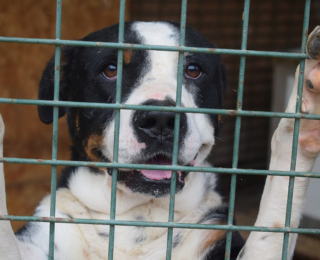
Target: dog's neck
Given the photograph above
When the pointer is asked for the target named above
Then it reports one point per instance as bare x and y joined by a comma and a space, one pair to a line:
94, 191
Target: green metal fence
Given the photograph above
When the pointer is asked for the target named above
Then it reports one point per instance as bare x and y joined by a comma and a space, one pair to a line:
118, 106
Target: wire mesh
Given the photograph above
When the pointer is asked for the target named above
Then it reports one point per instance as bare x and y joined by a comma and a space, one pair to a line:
170, 225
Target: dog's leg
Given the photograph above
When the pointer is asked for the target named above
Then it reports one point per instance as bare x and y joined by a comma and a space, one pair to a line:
272, 212
8, 242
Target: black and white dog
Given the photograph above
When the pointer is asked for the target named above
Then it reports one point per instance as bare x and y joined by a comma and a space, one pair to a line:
146, 137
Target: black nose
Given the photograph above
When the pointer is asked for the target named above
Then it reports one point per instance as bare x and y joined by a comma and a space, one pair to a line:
156, 125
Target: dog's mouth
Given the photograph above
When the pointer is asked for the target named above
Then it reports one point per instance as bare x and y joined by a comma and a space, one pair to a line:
159, 174
153, 182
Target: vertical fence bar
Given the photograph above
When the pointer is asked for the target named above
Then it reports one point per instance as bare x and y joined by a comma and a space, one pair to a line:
116, 130
55, 129
296, 130
237, 126
176, 126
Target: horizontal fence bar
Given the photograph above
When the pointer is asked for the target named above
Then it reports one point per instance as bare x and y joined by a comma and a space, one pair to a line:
160, 167
158, 108
160, 224
155, 47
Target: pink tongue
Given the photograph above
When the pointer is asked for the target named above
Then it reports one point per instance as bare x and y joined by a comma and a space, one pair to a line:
157, 174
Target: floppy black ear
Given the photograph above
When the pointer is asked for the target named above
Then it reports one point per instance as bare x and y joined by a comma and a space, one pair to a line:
46, 86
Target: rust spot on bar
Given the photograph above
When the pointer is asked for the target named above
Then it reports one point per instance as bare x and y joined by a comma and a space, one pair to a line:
57, 67
127, 56
232, 112
212, 49
99, 43
40, 160
45, 219
239, 103
12, 100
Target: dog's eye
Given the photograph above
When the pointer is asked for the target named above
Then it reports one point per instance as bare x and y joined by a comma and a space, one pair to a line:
193, 71
110, 71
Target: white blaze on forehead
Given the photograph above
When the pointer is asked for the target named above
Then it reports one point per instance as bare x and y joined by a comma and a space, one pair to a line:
162, 63
157, 33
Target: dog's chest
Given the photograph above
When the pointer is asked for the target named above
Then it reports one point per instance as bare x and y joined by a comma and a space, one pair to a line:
132, 238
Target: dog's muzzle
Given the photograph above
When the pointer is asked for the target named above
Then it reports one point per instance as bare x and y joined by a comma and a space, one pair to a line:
156, 130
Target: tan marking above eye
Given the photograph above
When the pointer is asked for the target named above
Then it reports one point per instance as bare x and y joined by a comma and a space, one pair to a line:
127, 55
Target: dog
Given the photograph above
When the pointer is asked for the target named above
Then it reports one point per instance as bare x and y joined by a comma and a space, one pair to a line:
146, 137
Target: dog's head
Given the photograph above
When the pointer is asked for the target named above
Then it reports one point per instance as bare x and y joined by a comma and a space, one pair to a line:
149, 78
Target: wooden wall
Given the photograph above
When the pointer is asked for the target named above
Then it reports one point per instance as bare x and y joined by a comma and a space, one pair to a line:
21, 66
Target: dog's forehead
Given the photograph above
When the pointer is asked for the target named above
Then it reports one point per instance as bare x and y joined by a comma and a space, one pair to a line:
157, 33
160, 66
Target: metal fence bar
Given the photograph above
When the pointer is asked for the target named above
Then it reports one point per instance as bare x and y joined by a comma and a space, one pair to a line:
156, 47
161, 224
116, 130
55, 130
159, 108
237, 127
176, 127
296, 130
161, 167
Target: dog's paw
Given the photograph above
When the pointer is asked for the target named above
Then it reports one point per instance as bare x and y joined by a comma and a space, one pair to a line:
309, 134
313, 44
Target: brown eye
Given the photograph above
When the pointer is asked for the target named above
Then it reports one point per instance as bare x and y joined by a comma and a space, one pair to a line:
193, 71
110, 71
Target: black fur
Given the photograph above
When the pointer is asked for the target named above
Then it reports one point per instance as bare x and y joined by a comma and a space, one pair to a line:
218, 252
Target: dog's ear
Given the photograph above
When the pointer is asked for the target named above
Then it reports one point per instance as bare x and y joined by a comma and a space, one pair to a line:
46, 86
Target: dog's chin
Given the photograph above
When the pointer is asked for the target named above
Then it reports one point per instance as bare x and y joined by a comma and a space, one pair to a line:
152, 182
